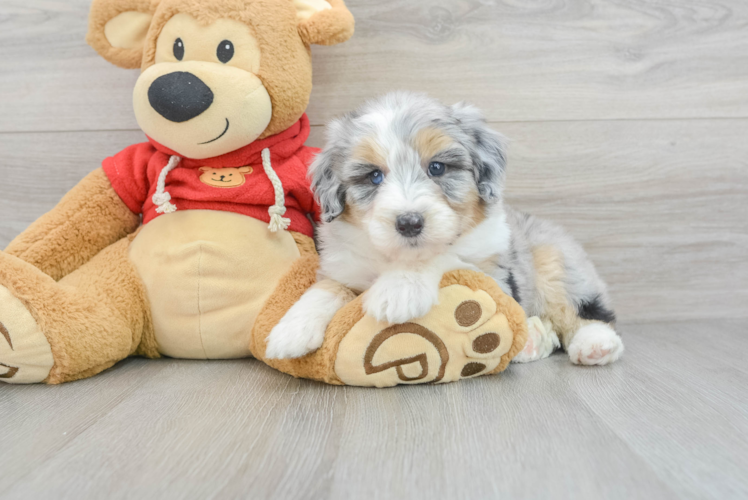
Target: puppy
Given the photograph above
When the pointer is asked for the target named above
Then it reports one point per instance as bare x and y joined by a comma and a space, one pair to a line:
411, 189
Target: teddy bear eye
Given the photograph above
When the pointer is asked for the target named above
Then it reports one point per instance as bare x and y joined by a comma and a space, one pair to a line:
179, 49
225, 51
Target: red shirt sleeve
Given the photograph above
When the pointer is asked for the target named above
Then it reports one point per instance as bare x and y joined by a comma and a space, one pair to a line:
128, 173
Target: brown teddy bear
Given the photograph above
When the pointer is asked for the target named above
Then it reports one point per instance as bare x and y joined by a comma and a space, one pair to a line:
195, 243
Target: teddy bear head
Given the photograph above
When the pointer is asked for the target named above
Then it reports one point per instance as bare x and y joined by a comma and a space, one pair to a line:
217, 74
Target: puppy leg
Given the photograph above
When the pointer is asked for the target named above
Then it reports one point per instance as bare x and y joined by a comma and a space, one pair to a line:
595, 343
399, 296
542, 341
572, 298
302, 329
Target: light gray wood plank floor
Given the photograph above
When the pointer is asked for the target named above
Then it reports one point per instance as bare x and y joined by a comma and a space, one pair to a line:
628, 122
669, 421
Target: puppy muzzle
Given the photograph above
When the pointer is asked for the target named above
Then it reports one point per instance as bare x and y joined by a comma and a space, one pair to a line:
409, 225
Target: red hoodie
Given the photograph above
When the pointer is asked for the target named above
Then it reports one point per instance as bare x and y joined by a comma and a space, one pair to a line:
134, 176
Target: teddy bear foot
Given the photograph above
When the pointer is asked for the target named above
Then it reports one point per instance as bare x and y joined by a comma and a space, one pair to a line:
25, 353
469, 333
475, 329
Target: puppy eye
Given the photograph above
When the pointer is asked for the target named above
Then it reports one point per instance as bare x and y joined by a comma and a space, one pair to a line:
437, 168
225, 51
179, 49
377, 177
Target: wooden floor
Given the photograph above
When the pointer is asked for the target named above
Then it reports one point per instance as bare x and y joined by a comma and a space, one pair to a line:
669, 421
628, 122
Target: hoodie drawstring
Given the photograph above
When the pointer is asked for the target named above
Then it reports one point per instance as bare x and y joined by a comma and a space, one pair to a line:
277, 211
162, 198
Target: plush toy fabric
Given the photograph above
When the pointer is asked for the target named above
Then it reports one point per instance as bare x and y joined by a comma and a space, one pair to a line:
195, 243
475, 330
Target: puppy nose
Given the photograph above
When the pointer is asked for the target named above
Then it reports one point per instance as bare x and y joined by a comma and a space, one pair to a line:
409, 225
179, 96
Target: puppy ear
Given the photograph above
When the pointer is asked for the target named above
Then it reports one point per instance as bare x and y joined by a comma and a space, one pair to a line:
487, 150
324, 22
328, 188
117, 30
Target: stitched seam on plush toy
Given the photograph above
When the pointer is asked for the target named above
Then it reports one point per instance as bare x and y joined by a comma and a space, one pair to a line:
199, 311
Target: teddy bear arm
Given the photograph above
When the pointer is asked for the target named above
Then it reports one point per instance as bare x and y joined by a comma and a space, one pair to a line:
89, 218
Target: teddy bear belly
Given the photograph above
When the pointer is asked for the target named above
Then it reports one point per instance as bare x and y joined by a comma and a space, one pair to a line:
207, 275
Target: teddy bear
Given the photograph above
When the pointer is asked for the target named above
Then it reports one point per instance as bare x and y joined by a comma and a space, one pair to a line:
195, 243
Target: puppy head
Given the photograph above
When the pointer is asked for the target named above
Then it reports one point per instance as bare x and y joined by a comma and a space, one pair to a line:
412, 173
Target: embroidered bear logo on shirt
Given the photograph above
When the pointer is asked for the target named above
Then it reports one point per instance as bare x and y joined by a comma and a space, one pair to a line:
224, 177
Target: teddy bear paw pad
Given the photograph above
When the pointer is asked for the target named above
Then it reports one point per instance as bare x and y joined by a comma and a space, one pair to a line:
25, 354
463, 336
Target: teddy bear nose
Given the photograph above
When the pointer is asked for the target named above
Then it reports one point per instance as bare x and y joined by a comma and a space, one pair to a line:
179, 96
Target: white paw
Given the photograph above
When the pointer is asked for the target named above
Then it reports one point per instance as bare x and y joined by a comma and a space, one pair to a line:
400, 297
294, 337
541, 342
302, 329
595, 344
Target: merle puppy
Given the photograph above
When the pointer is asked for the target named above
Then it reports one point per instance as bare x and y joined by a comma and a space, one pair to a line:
410, 189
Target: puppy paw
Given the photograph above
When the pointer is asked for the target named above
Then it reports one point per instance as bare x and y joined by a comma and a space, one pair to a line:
595, 344
302, 329
400, 297
541, 342
293, 338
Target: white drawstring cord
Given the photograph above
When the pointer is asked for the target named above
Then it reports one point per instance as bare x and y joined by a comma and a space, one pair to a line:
161, 198
277, 211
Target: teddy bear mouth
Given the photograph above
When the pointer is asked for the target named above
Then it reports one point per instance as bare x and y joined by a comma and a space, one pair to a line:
222, 134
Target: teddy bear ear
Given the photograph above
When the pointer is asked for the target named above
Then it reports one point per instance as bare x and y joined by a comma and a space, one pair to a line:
324, 22
117, 29
205, 169
244, 170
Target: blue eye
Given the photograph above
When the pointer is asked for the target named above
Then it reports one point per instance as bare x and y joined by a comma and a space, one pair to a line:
377, 177
437, 168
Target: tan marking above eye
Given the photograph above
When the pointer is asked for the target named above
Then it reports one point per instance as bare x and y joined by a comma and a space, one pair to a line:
370, 152
430, 141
